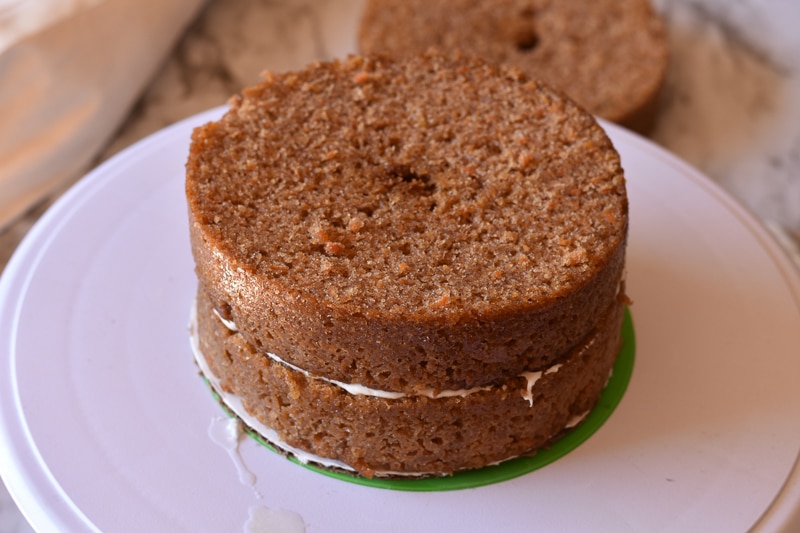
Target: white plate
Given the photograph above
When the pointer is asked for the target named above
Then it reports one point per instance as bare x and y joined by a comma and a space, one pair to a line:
105, 421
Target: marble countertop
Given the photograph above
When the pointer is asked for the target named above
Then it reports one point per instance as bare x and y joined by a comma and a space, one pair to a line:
731, 106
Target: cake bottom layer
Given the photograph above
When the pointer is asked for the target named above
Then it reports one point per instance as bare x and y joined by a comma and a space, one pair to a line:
410, 434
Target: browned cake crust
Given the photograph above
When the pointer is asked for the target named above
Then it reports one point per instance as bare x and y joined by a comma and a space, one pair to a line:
428, 223
416, 433
608, 55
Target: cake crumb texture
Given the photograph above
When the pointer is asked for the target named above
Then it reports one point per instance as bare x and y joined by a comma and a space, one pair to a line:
608, 55
435, 221
413, 434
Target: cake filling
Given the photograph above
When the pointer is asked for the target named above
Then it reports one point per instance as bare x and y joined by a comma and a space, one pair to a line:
355, 388
532, 378
234, 404
436, 243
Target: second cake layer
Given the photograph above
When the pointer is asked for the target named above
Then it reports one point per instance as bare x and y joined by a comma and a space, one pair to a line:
411, 433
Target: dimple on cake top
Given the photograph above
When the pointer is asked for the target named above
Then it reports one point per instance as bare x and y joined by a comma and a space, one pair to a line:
424, 186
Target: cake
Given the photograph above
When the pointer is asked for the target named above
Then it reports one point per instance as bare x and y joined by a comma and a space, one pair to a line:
610, 56
407, 266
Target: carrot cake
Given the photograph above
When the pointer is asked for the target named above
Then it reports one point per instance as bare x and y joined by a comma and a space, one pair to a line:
408, 266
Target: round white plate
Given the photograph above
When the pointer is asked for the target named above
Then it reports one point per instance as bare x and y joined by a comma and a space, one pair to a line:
104, 420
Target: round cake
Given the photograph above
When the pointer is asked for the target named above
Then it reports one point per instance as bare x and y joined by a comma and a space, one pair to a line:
410, 266
610, 56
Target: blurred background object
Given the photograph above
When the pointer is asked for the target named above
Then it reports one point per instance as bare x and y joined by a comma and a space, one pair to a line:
70, 71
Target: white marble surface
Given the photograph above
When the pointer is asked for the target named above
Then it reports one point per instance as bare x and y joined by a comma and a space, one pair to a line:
731, 106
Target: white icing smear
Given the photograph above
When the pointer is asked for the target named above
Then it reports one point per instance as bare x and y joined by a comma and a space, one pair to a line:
226, 432
532, 378
575, 420
230, 324
265, 520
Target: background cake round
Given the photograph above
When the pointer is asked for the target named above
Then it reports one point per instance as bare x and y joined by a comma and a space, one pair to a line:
410, 266
610, 56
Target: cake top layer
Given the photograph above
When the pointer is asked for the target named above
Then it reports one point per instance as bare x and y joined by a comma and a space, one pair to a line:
428, 186
608, 55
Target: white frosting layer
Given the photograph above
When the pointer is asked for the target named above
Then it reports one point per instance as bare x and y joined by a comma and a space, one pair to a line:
532, 378
358, 389
355, 388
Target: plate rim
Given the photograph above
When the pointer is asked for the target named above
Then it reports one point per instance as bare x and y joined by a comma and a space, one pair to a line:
14, 282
